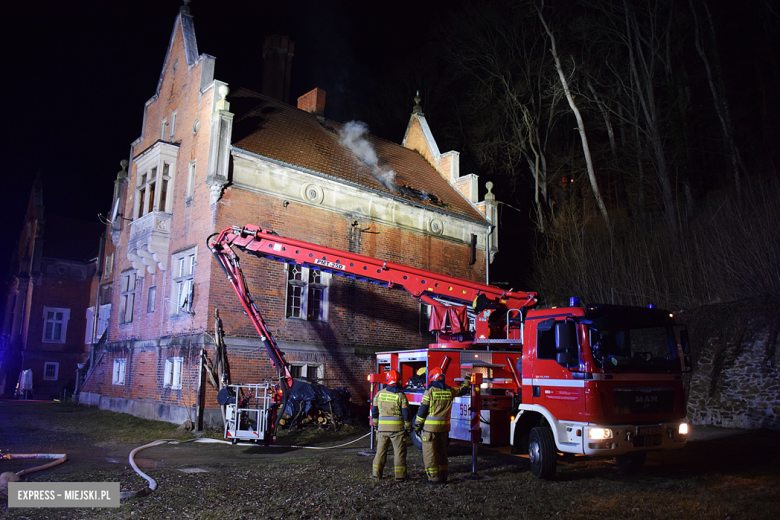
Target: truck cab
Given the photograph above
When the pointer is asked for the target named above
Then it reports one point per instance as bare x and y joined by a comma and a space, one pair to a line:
602, 381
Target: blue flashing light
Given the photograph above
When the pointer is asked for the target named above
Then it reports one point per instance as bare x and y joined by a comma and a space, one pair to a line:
651, 306
574, 302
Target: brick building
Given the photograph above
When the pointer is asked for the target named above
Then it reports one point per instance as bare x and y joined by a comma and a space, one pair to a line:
208, 159
43, 327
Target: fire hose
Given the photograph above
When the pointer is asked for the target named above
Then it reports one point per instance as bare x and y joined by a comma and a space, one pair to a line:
5, 478
152, 484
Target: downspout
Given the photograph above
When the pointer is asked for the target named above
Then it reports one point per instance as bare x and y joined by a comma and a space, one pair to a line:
199, 395
487, 254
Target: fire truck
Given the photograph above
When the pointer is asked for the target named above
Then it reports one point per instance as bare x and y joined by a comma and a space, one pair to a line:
593, 380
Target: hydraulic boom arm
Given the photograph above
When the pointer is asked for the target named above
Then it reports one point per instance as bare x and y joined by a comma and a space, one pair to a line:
430, 287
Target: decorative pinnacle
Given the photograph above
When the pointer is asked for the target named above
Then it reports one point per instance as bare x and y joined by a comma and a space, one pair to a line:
123, 173
223, 104
417, 108
489, 196
186, 7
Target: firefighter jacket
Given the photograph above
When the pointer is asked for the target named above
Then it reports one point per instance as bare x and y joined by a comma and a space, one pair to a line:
391, 410
436, 405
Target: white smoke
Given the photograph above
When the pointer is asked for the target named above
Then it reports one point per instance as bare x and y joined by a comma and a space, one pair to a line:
352, 137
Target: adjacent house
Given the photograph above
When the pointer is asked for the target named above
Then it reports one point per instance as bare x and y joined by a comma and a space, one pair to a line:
43, 327
208, 158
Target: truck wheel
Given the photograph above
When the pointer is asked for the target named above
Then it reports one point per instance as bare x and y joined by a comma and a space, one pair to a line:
631, 461
416, 440
542, 453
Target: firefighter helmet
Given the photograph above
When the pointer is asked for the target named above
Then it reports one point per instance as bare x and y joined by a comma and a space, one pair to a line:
392, 377
436, 374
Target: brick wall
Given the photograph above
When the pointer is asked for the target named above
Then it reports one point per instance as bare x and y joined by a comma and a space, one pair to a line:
362, 318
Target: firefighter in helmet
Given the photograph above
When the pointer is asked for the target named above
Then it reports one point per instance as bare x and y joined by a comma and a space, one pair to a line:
394, 424
433, 424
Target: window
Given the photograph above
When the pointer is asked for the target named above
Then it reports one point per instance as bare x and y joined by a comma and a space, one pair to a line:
55, 324
51, 371
545, 339
191, 180
309, 370
173, 373
152, 190
183, 272
119, 372
127, 297
172, 132
163, 126
108, 269
150, 299
154, 177
307, 293
106, 292
104, 315
147, 182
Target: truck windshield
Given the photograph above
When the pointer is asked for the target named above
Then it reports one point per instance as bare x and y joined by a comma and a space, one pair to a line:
626, 348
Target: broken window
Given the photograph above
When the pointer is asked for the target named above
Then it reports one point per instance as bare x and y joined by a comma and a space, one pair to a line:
127, 297
307, 293
173, 373
183, 271
308, 370
119, 372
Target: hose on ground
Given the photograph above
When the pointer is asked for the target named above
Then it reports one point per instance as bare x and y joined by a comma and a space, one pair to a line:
60, 458
152, 484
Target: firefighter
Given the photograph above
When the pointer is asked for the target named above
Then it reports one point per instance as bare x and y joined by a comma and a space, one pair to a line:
394, 424
433, 424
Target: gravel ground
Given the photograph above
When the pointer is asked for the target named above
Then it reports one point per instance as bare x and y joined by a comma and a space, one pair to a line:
721, 474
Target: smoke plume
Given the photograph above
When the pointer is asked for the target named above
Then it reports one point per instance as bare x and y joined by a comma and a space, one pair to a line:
352, 136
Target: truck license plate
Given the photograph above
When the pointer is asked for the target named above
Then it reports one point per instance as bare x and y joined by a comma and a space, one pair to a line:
649, 430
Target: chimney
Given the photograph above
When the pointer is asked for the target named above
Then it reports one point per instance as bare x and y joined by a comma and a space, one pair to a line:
313, 101
278, 52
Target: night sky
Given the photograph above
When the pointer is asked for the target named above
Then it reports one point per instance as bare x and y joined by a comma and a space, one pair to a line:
77, 75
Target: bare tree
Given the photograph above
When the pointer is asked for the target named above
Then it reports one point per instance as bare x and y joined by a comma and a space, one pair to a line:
718, 96
580, 123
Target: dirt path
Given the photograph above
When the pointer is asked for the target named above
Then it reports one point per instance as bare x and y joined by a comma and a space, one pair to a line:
723, 474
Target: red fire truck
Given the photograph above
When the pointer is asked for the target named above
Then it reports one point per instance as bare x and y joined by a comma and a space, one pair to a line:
596, 380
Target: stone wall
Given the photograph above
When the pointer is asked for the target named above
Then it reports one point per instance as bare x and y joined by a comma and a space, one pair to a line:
735, 381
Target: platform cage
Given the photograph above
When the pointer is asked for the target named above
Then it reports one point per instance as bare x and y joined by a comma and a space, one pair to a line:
247, 413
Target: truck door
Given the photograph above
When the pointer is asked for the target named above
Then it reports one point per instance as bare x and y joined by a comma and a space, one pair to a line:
554, 386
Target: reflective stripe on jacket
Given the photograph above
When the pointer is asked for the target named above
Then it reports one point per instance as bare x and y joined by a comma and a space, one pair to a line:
391, 411
436, 406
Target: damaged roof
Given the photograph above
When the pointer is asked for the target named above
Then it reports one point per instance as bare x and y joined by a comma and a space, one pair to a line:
275, 130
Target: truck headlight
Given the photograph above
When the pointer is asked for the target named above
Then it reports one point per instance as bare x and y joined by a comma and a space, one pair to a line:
683, 429
599, 433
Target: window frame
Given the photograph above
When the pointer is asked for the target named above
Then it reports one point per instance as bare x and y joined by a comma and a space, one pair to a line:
127, 295
183, 265
108, 269
151, 299
119, 373
46, 366
302, 289
305, 367
174, 373
62, 322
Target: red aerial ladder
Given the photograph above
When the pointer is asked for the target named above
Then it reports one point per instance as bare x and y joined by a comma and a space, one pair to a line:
595, 380
435, 289
448, 295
